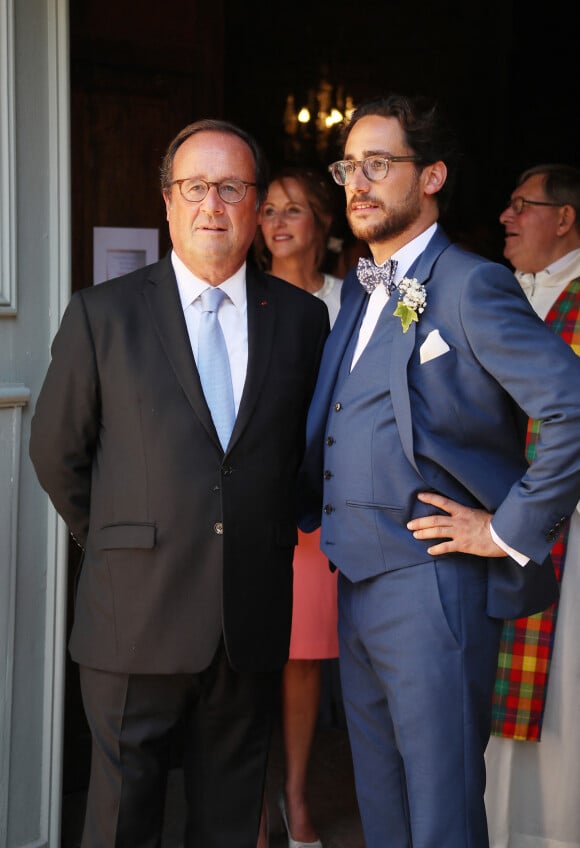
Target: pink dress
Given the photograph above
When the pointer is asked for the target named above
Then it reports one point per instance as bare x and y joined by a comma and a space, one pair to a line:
314, 615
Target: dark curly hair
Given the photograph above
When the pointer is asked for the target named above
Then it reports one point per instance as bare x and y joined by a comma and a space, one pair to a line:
428, 133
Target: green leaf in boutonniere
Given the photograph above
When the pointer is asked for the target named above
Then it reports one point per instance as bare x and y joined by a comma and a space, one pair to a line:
412, 300
406, 314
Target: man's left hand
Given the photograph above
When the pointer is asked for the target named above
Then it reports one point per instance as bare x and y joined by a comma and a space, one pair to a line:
465, 529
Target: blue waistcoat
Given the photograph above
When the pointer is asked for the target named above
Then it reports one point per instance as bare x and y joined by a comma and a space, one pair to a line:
370, 487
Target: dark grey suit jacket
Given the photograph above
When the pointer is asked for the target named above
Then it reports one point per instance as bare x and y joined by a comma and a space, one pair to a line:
181, 543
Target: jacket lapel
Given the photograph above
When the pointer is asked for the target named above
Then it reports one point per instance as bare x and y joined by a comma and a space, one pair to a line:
162, 297
404, 344
400, 354
353, 301
262, 315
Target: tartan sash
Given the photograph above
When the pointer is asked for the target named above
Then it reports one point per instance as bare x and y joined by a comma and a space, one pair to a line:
526, 644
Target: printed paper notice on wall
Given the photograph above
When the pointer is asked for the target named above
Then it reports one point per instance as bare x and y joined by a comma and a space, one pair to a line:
120, 250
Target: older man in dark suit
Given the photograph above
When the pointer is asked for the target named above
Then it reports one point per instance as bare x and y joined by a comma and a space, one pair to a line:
183, 604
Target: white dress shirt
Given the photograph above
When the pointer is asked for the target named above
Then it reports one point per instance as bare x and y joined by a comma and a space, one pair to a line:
544, 288
232, 315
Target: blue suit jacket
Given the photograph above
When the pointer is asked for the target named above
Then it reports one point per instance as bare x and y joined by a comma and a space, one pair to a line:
459, 415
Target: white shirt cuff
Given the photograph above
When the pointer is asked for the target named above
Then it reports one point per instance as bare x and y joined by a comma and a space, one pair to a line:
522, 559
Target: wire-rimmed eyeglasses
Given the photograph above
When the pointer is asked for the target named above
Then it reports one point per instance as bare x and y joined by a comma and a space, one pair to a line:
195, 189
374, 168
516, 204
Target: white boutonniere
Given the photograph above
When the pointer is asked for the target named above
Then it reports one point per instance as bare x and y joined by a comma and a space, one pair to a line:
412, 301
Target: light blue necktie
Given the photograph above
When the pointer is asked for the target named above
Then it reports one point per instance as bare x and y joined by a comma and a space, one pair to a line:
214, 365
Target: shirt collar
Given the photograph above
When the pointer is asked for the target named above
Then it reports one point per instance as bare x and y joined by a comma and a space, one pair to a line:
190, 287
563, 270
562, 261
407, 254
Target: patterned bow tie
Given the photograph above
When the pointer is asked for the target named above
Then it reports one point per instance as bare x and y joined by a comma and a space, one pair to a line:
371, 275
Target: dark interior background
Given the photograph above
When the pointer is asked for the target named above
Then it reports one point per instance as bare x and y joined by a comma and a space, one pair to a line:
506, 73
505, 70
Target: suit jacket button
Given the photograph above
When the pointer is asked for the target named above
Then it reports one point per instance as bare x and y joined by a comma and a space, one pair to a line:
327, 475
553, 534
218, 528
330, 441
337, 406
328, 509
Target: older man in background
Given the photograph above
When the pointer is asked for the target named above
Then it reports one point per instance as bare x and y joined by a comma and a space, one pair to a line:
532, 758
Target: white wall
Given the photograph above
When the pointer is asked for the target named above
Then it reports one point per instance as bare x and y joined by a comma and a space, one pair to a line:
34, 288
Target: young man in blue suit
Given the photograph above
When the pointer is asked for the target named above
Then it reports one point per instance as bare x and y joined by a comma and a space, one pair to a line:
415, 461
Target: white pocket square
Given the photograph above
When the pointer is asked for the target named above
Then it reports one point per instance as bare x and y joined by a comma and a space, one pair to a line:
432, 347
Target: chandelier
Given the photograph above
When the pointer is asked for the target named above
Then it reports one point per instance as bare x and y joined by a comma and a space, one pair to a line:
319, 117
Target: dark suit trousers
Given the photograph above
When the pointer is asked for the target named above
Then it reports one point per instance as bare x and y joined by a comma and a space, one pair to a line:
226, 720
